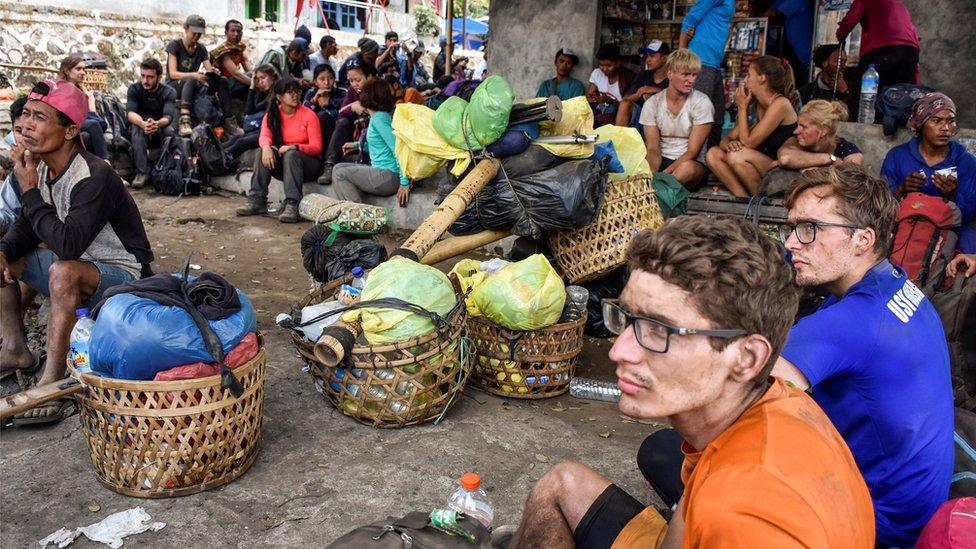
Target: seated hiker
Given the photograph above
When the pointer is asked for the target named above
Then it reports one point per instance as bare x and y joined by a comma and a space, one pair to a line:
649, 81
72, 69
700, 323
292, 60
184, 56
349, 112
962, 264
608, 82
234, 68
874, 354
255, 107
325, 99
934, 164
677, 122
390, 50
10, 190
79, 233
365, 57
747, 153
830, 59
440, 62
326, 54
382, 177
151, 109
815, 141
291, 144
563, 85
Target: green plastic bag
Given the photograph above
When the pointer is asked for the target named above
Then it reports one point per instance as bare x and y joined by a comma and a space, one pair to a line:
672, 196
412, 282
449, 123
526, 295
491, 105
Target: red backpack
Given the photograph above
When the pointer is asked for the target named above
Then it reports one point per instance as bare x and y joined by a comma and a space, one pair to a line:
925, 239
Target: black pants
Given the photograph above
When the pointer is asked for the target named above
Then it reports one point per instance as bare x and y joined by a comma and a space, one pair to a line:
140, 145
229, 90
342, 134
328, 124
659, 460
895, 65
239, 144
294, 169
187, 90
94, 138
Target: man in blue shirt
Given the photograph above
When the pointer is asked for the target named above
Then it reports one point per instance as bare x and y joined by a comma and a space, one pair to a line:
798, 21
705, 31
875, 352
563, 85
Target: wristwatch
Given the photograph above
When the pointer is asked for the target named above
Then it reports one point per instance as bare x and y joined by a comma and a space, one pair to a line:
833, 159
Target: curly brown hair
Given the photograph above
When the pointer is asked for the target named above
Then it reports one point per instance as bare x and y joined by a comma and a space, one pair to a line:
737, 276
864, 199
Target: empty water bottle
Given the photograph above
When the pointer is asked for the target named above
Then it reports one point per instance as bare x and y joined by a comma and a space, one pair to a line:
869, 93
358, 277
575, 308
472, 500
592, 389
78, 351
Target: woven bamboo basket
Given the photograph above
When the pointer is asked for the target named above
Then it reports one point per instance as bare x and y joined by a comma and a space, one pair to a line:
395, 385
95, 80
594, 250
156, 439
525, 364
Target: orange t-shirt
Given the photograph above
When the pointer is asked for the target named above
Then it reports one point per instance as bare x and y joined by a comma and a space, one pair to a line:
780, 476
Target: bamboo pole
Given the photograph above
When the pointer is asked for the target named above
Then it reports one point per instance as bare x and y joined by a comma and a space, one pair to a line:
21, 402
457, 245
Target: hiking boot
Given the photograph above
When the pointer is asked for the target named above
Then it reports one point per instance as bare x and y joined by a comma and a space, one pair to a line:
231, 127
139, 181
326, 177
289, 213
186, 128
252, 208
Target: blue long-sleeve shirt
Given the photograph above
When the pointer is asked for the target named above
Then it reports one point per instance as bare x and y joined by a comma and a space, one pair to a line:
905, 159
711, 20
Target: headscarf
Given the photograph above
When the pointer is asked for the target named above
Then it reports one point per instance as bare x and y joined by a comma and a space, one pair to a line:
926, 106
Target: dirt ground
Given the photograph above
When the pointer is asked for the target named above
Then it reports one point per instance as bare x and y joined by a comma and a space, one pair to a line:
319, 473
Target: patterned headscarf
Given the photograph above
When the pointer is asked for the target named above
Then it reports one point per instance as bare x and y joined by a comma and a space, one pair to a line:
926, 106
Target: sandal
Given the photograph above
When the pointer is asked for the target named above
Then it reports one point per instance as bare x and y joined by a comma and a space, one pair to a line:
22, 377
58, 410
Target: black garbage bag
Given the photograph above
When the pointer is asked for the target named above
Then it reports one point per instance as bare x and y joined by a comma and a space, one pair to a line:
327, 257
533, 160
608, 287
567, 196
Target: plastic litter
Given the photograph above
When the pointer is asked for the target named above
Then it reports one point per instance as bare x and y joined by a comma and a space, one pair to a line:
111, 530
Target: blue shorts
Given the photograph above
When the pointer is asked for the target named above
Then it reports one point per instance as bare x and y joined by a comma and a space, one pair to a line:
38, 263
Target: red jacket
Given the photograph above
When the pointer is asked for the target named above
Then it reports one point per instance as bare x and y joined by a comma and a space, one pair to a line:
301, 129
883, 23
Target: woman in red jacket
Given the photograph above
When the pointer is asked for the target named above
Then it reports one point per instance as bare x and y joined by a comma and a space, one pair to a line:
291, 147
889, 40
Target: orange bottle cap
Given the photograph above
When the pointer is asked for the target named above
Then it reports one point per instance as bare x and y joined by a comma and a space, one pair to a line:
470, 481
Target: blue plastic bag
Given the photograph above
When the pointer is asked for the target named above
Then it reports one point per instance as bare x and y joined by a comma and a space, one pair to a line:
135, 338
606, 148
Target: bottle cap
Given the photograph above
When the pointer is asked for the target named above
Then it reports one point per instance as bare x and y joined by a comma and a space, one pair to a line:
82, 312
470, 481
357, 271
871, 67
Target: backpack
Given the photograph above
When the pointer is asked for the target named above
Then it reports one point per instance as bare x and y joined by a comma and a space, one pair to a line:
211, 156
895, 105
173, 173
957, 309
111, 109
964, 470
925, 239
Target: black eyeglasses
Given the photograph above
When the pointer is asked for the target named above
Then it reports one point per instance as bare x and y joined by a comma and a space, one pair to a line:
653, 335
806, 231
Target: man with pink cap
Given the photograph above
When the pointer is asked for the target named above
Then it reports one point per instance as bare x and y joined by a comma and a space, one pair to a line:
79, 233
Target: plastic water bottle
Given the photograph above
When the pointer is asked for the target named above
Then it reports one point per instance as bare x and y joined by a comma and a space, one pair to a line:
314, 331
575, 308
78, 343
592, 389
471, 500
869, 92
358, 278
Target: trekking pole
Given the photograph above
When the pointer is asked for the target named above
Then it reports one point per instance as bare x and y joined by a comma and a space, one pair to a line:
840, 69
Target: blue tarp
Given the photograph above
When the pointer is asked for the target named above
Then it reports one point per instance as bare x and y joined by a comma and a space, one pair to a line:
476, 32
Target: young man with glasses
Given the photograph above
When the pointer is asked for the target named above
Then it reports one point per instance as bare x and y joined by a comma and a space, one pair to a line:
700, 323
874, 354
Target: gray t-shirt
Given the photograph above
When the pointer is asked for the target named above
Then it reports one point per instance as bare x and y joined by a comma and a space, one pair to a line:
675, 129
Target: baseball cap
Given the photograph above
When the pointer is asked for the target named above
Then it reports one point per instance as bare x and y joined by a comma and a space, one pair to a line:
63, 96
655, 46
568, 53
299, 44
303, 32
196, 24
367, 45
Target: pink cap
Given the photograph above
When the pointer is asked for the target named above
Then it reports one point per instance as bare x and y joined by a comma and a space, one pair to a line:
953, 526
64, 96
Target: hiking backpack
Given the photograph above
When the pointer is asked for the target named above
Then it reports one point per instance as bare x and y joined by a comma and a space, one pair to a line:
925, 239
957, 309
211, 156
894, 106
110, 108
173, 174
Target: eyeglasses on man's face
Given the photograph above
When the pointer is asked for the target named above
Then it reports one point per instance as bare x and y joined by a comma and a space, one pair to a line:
806, 231
654, 335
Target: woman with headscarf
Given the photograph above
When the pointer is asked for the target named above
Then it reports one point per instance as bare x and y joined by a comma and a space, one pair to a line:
933, 164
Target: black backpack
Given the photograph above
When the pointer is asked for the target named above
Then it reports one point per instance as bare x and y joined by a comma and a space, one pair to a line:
957, 309
894, 106
110, 108
173, 174
211, 156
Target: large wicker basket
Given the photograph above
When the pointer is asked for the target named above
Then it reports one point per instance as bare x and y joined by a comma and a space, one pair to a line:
530, 364
594, 250
394, 385
155, 439
95, 80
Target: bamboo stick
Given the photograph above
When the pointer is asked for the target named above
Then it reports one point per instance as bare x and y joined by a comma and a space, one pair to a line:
457, 245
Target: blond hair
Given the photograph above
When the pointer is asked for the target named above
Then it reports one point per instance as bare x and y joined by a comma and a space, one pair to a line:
683, 60
826, 114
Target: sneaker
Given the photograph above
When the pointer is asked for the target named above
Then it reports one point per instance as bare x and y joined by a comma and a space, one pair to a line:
139, 181
289, 213
502, 536
326, 177
252, 208
231, 127
185, 129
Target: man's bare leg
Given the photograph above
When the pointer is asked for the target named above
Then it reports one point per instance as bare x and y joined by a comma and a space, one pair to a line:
70, 283
556, 505
14, 352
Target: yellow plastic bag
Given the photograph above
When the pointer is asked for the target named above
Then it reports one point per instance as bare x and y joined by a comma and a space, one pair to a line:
420, 150
412, 282
577, 118
630, 150
526, 295
470, 276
